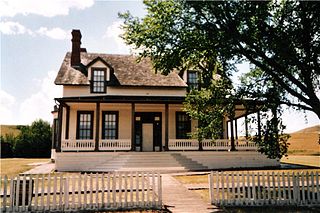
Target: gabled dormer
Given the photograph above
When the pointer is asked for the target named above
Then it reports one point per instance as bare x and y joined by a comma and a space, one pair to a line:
99, 75
191, 78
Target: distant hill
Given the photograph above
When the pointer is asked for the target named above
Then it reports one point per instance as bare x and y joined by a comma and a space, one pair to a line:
9, 129
305, 141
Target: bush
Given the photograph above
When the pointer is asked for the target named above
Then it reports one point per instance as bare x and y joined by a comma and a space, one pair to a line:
34, 141
7, 143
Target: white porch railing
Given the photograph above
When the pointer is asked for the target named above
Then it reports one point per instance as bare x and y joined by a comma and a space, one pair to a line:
77, 145
209, 144
183, 144
245, 145
115, 144
219, 144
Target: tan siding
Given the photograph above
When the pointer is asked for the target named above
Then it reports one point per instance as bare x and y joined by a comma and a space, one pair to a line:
73, 91
146, 91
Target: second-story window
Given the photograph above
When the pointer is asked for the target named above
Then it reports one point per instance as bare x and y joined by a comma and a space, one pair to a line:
98, 79
192, 80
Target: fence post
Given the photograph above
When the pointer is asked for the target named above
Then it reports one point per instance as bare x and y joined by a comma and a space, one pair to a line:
210, 177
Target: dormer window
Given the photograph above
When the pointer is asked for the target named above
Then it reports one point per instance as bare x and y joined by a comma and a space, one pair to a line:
98, 79
192, 80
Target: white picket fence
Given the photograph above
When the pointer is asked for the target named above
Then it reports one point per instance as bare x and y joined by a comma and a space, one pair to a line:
108, 191
260, 188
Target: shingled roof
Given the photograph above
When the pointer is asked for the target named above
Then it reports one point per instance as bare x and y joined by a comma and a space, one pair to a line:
126, 70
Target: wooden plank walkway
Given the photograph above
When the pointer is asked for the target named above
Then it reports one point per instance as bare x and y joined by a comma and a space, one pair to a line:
178, 199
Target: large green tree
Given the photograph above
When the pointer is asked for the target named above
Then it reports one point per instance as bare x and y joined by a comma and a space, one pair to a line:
282, 38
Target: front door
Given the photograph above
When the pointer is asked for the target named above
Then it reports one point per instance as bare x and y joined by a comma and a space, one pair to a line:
148, 131
147, 137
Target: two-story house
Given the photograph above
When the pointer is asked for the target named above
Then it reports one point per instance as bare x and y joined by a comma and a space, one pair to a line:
112, 104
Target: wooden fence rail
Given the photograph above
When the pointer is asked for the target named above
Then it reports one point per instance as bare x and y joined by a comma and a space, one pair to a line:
106, 191
260, 188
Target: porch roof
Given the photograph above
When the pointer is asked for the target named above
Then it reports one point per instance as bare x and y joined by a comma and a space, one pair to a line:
123, 99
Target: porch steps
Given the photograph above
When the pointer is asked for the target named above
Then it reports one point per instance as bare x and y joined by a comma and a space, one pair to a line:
148, 161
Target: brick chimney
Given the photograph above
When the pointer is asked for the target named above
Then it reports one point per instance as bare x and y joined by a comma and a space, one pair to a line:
76, 48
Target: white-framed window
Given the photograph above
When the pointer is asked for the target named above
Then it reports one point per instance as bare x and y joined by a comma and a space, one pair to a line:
98, 79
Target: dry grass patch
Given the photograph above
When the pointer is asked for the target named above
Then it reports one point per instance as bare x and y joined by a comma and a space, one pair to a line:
305, 141
302, 160
14, 166
9, 129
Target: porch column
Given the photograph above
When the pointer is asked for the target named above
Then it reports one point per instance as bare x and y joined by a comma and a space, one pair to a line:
233, 148
246, 127
166, 127
236, 128
259, 125
67, 121
96, 147
227, 130
133, 109
60, 115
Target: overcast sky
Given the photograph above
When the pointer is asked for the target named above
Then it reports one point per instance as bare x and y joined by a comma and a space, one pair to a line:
35, 35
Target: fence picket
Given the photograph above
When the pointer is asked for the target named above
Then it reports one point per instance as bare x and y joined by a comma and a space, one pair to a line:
90, 191
126, 189
248, 200
23, 193
48, 192
108, 192
243, 189
85, 198
312, 188
238, 189
298, 188
254, 199
308, 186
97, 191
227, 188
289, 180
222, 188
79, 191
103, 190
233, 188
284, 196
137, 189
4, 201
60, 191
114, 201
66, 193
159, 189
318, 187
54, 198
278, 194
218, 188
16, 204
120, 189
131, 188
11, 206
73, 183
153, 189
303, 189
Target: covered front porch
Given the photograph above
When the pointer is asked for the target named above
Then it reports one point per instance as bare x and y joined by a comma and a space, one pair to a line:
137, 124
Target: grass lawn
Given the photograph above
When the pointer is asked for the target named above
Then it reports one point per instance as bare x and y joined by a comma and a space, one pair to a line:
302, 160
14, 166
